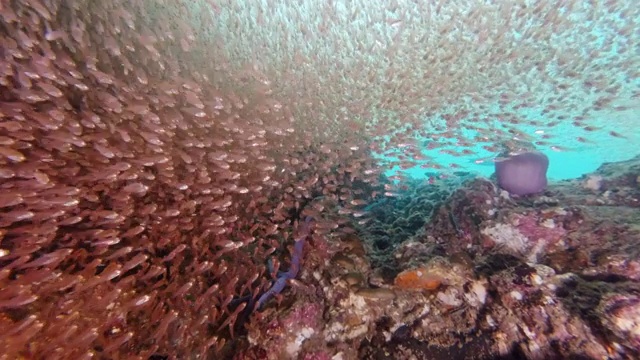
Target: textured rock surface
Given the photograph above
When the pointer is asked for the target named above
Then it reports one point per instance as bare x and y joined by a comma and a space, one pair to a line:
555, 275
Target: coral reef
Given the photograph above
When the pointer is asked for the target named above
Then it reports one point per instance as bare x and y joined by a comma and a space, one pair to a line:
555, 275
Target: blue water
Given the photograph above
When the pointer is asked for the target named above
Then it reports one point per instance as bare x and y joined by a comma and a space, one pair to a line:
568, 159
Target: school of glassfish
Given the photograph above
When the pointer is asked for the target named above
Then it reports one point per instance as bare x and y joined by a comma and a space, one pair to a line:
155, 155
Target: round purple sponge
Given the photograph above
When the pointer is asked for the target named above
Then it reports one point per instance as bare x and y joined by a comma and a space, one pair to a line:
523, 174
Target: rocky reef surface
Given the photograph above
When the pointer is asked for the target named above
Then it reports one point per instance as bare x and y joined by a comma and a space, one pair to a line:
447, 270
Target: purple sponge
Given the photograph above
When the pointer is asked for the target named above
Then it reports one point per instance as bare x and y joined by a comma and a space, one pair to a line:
523, 174
296, 257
